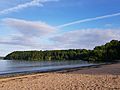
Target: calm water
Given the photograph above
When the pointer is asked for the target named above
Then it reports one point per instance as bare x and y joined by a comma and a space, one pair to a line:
14, 66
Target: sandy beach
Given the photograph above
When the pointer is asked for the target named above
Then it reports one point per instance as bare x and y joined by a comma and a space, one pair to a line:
105, 77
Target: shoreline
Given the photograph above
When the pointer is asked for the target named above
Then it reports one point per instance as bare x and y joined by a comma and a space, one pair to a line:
14, 74
72, 79
63, 70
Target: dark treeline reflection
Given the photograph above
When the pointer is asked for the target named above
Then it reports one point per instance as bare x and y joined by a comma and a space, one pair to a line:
105, 53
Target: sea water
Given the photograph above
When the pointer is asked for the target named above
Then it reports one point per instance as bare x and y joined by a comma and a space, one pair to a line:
22, 66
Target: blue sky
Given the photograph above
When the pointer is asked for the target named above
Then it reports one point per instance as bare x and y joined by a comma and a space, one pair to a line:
57, 24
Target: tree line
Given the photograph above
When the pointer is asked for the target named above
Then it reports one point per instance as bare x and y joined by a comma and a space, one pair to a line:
106, 53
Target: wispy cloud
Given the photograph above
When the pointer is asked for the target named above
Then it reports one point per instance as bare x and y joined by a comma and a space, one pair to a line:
18, 40
29, 28
89, 19
85, 38
28, 32
25, 5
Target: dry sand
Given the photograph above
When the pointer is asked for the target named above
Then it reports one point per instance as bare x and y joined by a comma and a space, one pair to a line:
74, 80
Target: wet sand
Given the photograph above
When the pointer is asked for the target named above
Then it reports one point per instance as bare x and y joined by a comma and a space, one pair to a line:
112, 69
106, 77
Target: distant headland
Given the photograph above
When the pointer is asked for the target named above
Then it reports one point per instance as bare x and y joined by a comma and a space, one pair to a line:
109, 52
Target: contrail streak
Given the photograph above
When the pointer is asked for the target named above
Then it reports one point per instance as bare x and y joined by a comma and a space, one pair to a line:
25, 5
89, 19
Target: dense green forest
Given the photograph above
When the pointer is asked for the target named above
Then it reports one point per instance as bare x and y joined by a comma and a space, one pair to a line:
105, 53
1, 57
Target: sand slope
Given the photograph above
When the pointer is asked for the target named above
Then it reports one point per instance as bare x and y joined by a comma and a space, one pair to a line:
56, 81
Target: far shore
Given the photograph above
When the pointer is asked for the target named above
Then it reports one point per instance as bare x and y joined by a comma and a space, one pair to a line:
102, 77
